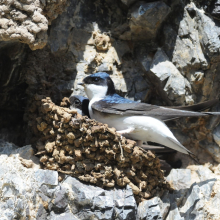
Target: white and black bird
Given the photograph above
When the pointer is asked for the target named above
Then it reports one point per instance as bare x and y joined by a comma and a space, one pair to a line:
134, 120
79, 103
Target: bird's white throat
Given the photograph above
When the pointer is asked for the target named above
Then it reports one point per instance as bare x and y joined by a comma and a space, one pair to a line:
95, 91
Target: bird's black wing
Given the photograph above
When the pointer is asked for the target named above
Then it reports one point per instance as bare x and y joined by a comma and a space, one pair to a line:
161, 113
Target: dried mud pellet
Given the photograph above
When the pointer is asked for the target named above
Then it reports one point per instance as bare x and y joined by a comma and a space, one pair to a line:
145, 195
71, 136
69, 149
55, 124
51, 160
78, 153
49, 147
128, 148
67, 117
47, 107
78, 142
134, 188
89, 166
142, 185
67, 167
53, 166
55, 117
117, 172
73, 167
123, 181
70, 141
42, 126
112, 130
44, 158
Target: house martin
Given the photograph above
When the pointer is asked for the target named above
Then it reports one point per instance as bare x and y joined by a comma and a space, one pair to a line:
134, 120
80, 103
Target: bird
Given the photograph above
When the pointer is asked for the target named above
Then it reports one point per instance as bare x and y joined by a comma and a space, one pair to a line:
138, 121
80, 103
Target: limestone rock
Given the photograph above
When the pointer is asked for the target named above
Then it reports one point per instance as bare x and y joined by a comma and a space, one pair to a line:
46, 198
150, 210
216, 9
146, 19
208, 32
194, 202
179, 178
188, 53
169, 77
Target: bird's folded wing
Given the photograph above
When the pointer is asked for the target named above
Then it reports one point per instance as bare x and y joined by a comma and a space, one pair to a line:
162, 113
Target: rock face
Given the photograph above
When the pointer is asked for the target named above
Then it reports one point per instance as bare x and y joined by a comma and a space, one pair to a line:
160, 52
146, 19
30, 192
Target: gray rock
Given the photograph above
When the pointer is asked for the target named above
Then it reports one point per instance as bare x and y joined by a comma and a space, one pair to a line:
174, 213
41, 213
190, 203
63, 216
208, 32
150, 209
164, 204
146, 19
179, 178
188, 53
6, 148
101, 203
47, 177
45, 198
169, 77
192, 198
216, 135
60, 202
216, 9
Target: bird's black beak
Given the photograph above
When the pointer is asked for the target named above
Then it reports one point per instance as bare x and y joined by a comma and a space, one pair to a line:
81, 84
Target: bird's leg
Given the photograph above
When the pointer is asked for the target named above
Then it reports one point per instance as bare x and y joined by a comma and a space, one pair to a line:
139, 143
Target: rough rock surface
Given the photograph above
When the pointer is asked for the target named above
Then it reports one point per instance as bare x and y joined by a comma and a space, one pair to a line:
174, 60
27, 21
146, 19
33, 193
30, 192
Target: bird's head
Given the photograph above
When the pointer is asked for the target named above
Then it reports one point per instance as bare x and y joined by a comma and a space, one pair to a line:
98, 85
76, 101
79, 103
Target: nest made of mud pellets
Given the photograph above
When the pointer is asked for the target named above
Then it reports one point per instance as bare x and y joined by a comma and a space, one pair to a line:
93, 152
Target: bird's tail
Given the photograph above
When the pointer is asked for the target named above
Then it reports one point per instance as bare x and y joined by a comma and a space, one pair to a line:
198, 107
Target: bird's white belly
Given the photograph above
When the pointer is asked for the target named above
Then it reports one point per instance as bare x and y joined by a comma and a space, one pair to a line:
144, 128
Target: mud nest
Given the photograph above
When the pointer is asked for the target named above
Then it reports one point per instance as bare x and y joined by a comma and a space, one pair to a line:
91, 151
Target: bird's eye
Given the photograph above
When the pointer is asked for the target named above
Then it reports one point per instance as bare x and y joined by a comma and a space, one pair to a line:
95, 79
77, 101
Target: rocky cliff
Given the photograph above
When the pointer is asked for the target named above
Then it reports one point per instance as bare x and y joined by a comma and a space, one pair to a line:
160, 52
